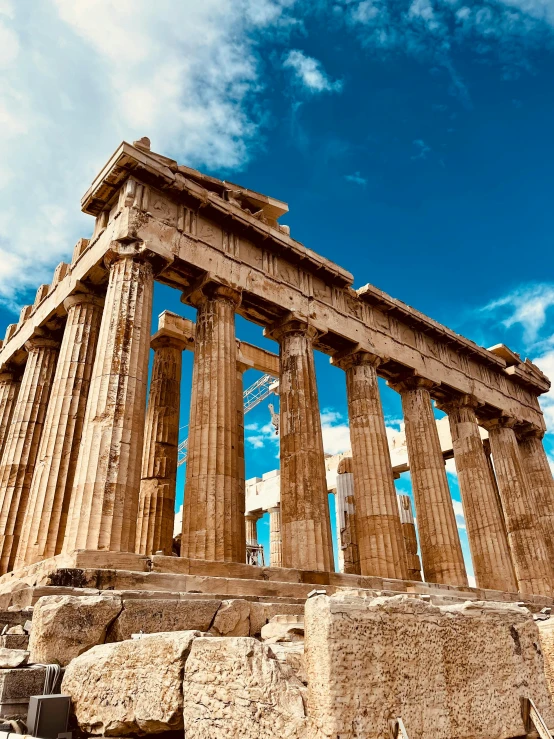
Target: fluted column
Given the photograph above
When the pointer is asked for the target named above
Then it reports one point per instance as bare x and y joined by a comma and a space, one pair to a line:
9, 389
213, 514
45, 522
275, 541
239, 397
379, 532
486, 532
525, 535
251, 521
410, 537
21, 447
349, 556
539, 477
441, 551
104, 506
159, 458
305, 521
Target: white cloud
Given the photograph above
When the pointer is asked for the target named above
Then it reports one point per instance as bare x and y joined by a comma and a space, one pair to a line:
356, 178
459, 513
336, 434
528, 306
310, 73
422, 149
77, 78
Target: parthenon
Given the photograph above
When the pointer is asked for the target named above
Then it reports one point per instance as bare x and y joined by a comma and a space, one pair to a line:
89, 447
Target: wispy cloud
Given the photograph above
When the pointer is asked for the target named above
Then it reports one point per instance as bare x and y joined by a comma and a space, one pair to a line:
528, 305
309, 73
459, 513
356, 178
422, 149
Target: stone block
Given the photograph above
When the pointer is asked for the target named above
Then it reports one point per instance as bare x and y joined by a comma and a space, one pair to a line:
154, 616
291, 654
546, 635
284, 628
65, 626
452, 671
130, 687
16, 687
232, 619
262, 613
14, 641
12, 657
235, 687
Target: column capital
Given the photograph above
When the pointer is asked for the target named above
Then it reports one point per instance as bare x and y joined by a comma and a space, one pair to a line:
7, 376
83, 297
208, 288
459, 401
500, 421
529, 431
41, 342
253, 515
274, 508
293, 323
412, 382
354, 357
345, 466
137, 251
160, 340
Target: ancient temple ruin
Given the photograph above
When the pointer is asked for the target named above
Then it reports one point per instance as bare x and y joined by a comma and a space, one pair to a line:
88, 465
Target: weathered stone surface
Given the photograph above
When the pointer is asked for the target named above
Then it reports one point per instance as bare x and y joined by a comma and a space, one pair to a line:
235, 687
291, 653
282, 628
14, 641
454, 671
17, 629
132, 687
12, 657
232, 619
262, 613
154, 616
16, 686
65, 626
546, 634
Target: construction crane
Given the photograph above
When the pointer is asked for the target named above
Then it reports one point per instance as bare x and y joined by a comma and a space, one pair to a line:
252, 396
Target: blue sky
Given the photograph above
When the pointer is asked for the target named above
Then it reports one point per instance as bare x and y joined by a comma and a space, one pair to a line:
412, 140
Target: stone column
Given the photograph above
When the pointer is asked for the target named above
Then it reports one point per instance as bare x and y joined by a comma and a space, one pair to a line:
441, 551
305, 520
486, 532
380, 541
349, 556
410, 536
213, 514
159, 458
539, 477
275, 541
21, 446
104, 506
525, 535
241, 467
251, 520
9, 389
45, 522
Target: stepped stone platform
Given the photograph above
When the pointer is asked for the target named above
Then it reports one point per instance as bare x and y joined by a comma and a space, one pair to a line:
138, 576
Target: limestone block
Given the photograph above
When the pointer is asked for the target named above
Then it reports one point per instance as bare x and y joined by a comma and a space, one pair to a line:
235, 687
291, 654
12, 657
262, 613
65, 626
154, 616
17, 629
546, 634
14, 641
16, 687
232, 619
283, 628
132, 687
451, 671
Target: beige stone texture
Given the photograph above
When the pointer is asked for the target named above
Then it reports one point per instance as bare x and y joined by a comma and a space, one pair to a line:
17, 685
454, 671
251, 521
345, 511
305, 522
291, 653
546, 634
9, 389
104, 505
525, 536
541, 482
283, 628
232, 619
410, 537
235, 687
213, 514
262, 613
161, 438
15, 641
486, 531
10, 658
150, 616
44, 526
21, 447
275, 540
132, 687
379, 532
65, 626
441, 551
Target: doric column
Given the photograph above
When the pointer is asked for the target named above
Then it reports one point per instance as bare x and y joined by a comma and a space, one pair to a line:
410, 536
305, 521
104, 506
441, 551
349, 556
159, 458
275, 541
380, 542
213, 514
251, 520
486, 532
539, 477
525, 535
21, 447
239, 396
45, 522
9, 389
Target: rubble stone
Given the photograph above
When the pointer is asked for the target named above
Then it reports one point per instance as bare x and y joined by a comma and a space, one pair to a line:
546, 635
235, 687
452, 671
12, 657
131, 687
283, 628
65, 626
154, 616
16, 687
232, 619
14, 641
